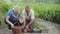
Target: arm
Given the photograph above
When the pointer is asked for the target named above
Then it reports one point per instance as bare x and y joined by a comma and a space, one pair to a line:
32, 18
7, 20
23, 16
22, 21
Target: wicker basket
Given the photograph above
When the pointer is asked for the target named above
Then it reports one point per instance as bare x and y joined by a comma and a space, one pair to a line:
16, 29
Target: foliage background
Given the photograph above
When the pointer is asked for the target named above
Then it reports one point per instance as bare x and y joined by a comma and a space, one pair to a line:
44, 9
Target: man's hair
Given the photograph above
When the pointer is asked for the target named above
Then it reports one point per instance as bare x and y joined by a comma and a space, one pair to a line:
16, 7
27, 6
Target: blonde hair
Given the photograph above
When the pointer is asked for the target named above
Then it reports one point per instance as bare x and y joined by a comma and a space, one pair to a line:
16, 7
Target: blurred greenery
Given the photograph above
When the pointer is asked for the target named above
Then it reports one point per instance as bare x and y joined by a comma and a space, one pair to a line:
49, 12
39, 26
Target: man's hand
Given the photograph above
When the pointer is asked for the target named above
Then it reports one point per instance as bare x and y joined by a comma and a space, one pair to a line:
27, 27
7, 20
31, 22
12, 25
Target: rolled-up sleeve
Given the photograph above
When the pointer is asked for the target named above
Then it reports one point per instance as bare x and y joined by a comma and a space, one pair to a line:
9, 13
32, 15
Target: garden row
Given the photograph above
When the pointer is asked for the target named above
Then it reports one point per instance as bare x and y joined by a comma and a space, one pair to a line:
50, 12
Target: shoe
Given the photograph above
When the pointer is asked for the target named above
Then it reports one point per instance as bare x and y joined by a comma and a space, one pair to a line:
10, 30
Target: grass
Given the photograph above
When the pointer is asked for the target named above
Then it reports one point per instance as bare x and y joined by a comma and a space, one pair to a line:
39, 26
40, 10
36, 26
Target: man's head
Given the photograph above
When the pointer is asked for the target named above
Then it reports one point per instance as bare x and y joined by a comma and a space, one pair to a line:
16, 9
27, 8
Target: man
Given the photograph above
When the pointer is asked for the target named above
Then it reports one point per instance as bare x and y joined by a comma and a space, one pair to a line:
12, 18
28, 15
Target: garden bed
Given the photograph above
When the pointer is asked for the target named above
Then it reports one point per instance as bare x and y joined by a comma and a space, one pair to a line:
40, 26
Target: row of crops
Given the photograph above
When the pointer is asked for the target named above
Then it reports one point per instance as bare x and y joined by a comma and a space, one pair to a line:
50, 12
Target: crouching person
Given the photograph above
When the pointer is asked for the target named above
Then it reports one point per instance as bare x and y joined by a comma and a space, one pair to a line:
28, 16
12, 20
